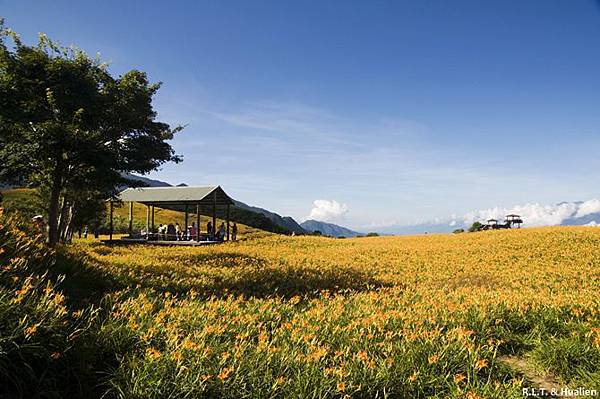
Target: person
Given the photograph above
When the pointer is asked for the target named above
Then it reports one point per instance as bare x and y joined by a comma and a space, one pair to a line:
85, 232
234, 231
170, 232
38, 220
163, 231
221, 233
178, 232
159, 232
209, 230
193, 231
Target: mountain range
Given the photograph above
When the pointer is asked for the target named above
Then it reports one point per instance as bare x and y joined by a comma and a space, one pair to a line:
328, 229
284, 223
287, 222
147, 181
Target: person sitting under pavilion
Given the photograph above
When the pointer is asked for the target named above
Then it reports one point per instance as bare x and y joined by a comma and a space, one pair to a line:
221, 232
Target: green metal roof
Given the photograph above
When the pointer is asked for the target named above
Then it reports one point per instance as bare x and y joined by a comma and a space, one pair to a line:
161, 196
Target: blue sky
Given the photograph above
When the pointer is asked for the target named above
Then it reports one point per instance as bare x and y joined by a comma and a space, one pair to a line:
400, 112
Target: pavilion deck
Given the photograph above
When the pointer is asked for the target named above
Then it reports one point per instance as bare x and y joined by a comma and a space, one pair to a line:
183, 243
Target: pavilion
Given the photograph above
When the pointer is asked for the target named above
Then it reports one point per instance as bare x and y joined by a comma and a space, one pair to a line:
513, 219
183, 199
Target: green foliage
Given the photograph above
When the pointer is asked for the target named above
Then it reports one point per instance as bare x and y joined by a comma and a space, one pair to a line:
26, 202
121, 225
475, 227
458, 231
372, 235
572, 357
38, 334
71, 128
254, 219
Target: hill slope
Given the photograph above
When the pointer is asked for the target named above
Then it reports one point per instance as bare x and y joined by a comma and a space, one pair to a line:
286, 222
328, 229
146, 181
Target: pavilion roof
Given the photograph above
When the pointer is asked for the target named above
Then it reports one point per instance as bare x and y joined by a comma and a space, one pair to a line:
165, 196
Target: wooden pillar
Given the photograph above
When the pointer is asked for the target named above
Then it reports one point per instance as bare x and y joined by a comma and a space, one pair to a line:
198, 222
214, 223
228, 222
152, 220
130, 218
186, 221
147, 221
111, 221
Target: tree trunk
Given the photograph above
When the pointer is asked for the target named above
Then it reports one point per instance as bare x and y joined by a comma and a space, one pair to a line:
62, 219
53, 207
68, 229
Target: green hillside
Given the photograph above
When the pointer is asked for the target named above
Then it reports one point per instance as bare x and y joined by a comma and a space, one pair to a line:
27, 202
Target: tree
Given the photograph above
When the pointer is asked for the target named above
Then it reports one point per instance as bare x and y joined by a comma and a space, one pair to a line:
71, 128
475, 227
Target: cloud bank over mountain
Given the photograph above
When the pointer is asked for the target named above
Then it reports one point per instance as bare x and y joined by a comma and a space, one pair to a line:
577, 213
541, 215
588, 207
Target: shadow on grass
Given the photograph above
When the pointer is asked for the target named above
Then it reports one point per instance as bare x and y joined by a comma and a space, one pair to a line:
221, 274
239, 274
81, 283
222, 259
288, 282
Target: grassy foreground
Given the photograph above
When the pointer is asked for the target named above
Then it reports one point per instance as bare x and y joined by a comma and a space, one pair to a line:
422, 316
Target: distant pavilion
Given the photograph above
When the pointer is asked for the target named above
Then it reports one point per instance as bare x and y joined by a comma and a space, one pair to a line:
513, 219
182, 199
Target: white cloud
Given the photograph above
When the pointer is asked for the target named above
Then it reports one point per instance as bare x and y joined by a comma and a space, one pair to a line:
588, 207
532, 215
537, 214
326, 210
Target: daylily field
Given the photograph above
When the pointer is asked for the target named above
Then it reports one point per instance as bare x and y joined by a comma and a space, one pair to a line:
276, 316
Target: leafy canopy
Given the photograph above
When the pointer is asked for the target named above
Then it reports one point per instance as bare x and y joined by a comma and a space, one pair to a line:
70, 127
